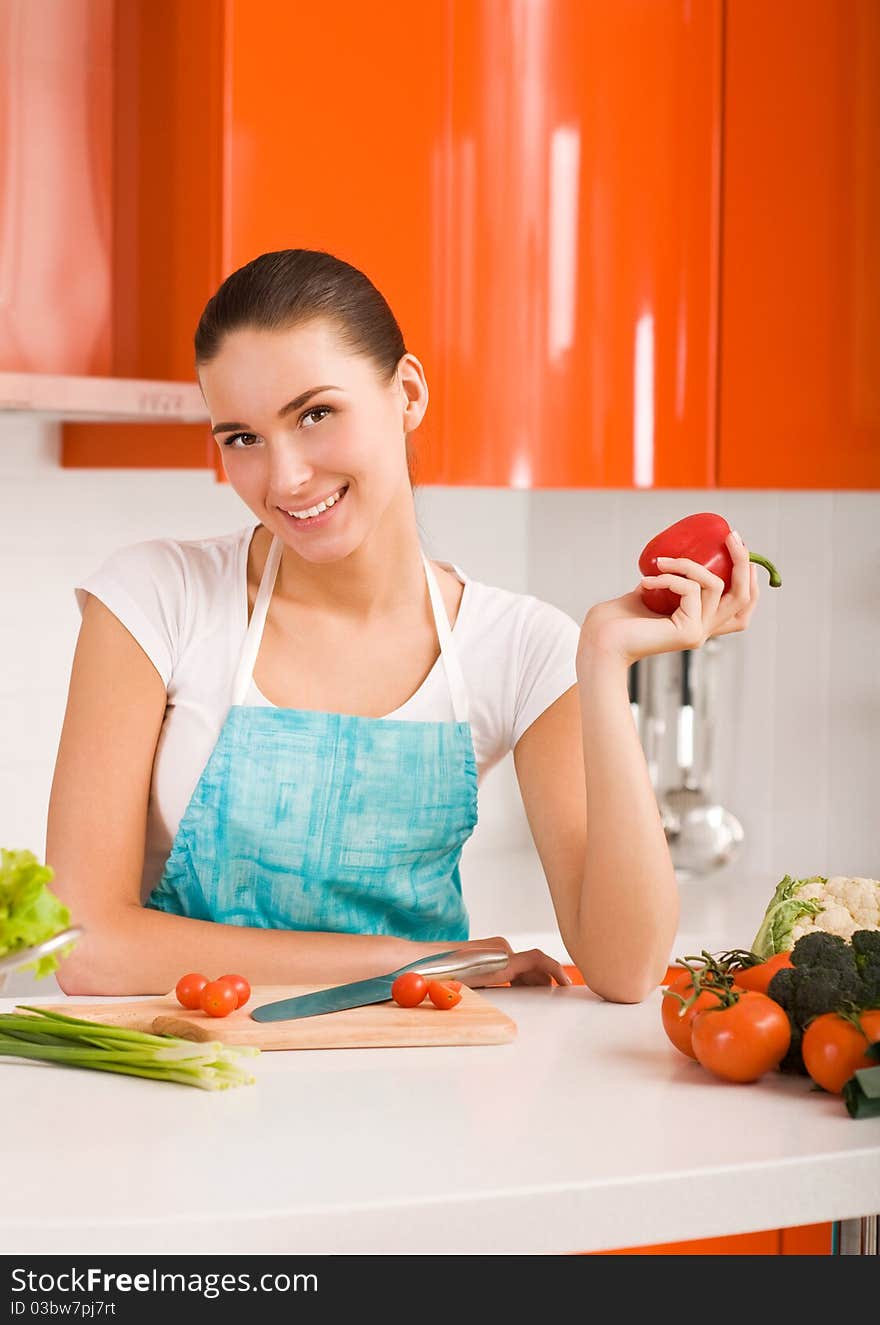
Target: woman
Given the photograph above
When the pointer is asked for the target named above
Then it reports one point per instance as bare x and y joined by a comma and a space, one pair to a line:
267, 763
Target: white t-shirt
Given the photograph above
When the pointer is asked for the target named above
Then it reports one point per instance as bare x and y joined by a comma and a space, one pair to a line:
186, 604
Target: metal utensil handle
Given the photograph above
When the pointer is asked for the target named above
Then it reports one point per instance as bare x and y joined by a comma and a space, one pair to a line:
459, 962
24, 956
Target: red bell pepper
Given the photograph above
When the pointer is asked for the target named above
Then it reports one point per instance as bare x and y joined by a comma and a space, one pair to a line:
700, 538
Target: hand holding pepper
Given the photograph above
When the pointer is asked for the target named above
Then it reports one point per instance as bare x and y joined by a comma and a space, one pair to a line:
700, 602
701, 538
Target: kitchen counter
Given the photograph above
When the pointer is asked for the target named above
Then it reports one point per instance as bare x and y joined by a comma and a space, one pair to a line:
587, 1132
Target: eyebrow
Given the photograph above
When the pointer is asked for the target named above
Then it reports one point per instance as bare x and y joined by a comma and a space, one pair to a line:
282, 413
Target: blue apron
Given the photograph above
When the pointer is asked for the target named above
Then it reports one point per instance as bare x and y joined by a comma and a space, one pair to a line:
305, 820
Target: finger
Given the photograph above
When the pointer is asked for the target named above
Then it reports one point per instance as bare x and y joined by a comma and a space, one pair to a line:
690, 593
736, 599
711, 585
532, 967
740, 620
694, 570
548, 965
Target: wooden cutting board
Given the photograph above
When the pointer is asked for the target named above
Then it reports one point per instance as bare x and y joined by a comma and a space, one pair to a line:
377, 1026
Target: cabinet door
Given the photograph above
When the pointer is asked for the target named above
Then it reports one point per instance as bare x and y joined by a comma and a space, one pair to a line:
165, 180
337, 137
533, 188
580, 244
800, 307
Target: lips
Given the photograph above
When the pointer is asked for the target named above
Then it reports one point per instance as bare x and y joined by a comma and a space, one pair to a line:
312, 521
314, 508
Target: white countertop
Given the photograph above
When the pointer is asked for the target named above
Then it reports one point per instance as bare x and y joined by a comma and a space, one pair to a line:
588, 1131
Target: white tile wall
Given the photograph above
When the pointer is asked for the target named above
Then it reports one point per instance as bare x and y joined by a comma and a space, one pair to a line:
799, 711
798, 721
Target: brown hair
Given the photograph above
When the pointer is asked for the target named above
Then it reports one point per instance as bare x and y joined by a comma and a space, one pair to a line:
281, 290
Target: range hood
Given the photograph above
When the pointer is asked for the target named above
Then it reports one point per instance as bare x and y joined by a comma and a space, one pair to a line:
101, 399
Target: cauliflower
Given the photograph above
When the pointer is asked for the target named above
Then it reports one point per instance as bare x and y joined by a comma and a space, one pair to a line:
838, 905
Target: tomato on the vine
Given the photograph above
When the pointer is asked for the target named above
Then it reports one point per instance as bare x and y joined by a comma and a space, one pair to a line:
678, 1020
409, 989
833, 1047
742, 1040
241, 987
218, 998
189, 989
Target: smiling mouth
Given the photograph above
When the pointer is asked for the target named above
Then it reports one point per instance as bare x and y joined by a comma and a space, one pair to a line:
312, 514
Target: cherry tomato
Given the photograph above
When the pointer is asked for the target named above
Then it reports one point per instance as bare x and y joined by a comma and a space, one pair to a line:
241, 987
409, 989
189, 988
833, 1048
676, 1023
743, 1041
218, 999
758, 977
442, 993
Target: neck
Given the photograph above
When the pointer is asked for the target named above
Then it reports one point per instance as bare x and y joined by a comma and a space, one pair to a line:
383, 575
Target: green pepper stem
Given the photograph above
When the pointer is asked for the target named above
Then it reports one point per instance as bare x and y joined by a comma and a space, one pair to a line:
775, 577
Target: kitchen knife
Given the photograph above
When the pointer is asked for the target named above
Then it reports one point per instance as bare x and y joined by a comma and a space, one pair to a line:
458, 962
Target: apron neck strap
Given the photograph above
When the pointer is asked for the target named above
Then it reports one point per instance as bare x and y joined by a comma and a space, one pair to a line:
454, 676
254, 634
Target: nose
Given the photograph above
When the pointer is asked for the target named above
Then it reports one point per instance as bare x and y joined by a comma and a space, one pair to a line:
290, 470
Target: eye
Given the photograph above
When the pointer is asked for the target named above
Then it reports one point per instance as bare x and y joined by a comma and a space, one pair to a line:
240, 441
239, 437
318, 409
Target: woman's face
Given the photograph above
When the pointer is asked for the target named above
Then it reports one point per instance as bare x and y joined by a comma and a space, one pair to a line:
285, 455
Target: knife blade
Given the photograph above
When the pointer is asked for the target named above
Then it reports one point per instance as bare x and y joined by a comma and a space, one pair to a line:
460, 962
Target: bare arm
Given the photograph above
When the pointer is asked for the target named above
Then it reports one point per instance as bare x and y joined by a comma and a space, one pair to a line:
95, 845
613, 888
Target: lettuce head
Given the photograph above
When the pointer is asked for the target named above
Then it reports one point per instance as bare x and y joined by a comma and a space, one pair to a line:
29, 912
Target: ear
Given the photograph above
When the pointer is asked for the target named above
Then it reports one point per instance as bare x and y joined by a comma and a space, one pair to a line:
414, 391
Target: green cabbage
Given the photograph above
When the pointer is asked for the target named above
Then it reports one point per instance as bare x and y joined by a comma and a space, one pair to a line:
29, 912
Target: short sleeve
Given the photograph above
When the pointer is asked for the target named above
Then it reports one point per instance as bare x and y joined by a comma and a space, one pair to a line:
547, 663
143, 585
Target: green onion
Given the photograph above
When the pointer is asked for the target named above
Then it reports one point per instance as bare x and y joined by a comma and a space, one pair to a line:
52, 1037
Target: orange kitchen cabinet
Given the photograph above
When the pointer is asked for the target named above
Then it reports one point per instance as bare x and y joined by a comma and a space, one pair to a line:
164, 175
540, 217
800, 302
535, 188
338, 128
805, 1240
634, 245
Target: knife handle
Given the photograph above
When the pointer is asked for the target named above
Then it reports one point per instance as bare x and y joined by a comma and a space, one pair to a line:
460, 962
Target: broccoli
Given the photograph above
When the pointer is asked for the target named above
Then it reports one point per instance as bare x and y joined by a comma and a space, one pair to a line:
825, 950
866, 946
866, 943
827, 975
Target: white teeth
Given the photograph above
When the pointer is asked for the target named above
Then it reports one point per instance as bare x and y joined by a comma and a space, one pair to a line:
316, 510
